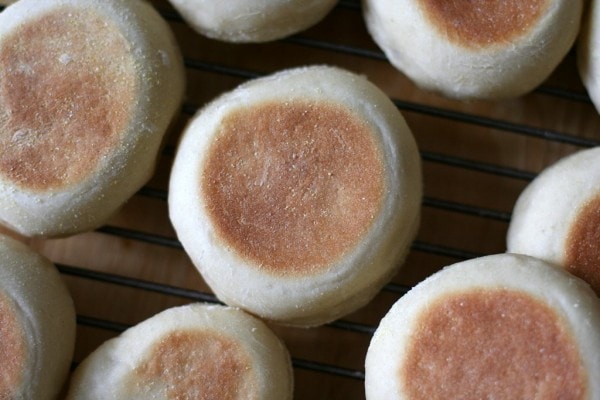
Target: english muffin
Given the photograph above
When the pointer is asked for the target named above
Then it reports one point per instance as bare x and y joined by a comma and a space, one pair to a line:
37, 325
588, 52
190, 352
557, 217
87, 90
475, 49
252, 21
498, 327
298, 194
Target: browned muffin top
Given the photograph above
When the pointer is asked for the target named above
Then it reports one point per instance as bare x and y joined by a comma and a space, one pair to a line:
67, 86
292, 187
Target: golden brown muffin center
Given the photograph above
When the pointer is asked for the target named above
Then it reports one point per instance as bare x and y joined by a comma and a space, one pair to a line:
13, 349
293, 186
583, 245
481, 23
67, 81
200, 365
498, 344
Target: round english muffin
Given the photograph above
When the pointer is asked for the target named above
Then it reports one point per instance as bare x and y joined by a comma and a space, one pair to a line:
503, 326
557, 216
87, 91
196, 351
298, 194
252, 21
37, 325
475, 49
588, 52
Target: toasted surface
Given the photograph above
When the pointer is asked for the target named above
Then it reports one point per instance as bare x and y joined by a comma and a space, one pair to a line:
557, 216
13, 349
64, 100
201, 365
88, 90
463, 339
297, 194
475, 23
37, 324
197, 351
475, 49
293, 186
503, 326
582, 250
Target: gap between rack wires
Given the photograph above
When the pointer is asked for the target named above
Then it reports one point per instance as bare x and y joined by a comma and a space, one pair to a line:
188, 294
204, 297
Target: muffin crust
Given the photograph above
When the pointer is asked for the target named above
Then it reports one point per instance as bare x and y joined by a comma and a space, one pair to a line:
63, 99
500, 344
583, 244
293, 186
13, 349
200, 365
481, 23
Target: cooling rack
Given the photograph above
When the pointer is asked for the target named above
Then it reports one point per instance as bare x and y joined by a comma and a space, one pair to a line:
477, 157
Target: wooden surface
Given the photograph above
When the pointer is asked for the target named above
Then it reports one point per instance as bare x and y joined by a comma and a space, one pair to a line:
477, 157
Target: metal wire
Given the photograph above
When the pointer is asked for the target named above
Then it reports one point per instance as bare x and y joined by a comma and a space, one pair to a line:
406, 106
430, 248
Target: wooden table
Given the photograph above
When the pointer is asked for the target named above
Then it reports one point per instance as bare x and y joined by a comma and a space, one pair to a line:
477, 157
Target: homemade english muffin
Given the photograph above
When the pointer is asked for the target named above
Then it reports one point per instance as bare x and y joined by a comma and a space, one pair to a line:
87, 90
297, 195
500, 327
588, 52
475, 48
37, 325
197, 351
252, 21
557, 216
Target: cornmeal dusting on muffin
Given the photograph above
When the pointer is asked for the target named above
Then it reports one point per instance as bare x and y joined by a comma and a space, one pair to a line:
498, 343
200, 365
64, 98
293, 186
13, 350
481, 23
583, 244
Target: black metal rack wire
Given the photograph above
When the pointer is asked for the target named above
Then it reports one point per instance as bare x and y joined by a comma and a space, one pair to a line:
550, 135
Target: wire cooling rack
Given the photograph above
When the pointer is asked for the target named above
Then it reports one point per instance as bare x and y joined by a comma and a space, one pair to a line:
477, 157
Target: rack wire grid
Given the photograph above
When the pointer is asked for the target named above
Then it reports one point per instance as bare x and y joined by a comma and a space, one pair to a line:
477, 157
